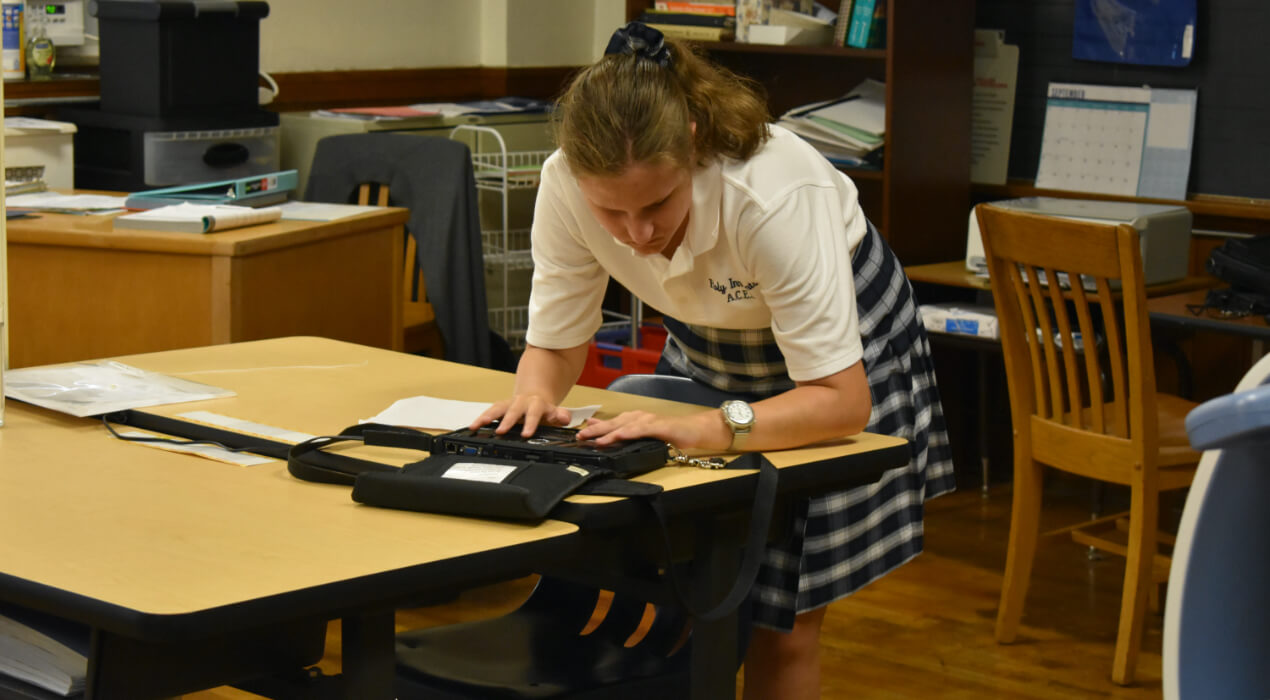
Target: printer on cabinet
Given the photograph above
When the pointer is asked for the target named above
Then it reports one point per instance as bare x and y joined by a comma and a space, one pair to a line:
1164, 230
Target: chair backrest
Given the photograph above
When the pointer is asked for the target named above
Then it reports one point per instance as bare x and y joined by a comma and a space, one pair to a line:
663, 386
1217, 620
1077, 353
434, 179
416, 310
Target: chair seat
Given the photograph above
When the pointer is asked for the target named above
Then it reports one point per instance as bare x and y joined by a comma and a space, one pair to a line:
1172, 411
538, 651
525, 658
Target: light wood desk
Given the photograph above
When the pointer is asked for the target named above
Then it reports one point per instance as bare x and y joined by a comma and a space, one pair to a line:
955, 274
320, 386
196, 573
1173, 310
80, 290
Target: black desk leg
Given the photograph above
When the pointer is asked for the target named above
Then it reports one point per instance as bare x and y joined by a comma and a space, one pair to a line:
714, 644
368, 646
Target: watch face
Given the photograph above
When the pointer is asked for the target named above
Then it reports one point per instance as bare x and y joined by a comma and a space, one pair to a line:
738, 412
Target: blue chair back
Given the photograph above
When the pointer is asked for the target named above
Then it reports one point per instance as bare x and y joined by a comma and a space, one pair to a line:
664, 386
1217, 615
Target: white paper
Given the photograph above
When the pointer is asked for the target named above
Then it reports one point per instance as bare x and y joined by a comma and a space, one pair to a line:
66, 202
239, 425
319, 211
242, 459
447, 414
37, 124
479, 471
188, 211
94, 388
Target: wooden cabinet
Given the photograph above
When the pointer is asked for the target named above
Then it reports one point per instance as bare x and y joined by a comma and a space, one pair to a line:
920, 198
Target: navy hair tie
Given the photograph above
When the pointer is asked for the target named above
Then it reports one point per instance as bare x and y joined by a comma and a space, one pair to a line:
643, 41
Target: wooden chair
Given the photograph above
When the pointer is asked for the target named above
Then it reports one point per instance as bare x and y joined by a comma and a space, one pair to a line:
1078, 363
418, 320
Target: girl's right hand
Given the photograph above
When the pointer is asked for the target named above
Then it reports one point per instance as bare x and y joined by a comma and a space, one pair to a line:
529, 409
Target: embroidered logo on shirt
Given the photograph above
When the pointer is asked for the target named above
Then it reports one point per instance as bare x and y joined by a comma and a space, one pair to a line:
733, 290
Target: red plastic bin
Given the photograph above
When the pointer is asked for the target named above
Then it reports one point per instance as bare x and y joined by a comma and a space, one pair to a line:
608, 361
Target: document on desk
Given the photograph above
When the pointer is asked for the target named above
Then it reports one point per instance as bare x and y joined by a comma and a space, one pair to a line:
197, 218
322, 211
217, 454
66, 203
448, 414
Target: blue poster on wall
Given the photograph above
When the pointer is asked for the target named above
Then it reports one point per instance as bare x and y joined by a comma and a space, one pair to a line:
1145, 32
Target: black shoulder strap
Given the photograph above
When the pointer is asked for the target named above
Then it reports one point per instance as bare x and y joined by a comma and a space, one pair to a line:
309, 461
755, 544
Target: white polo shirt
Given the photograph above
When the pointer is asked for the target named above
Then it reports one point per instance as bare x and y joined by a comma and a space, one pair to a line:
769, 244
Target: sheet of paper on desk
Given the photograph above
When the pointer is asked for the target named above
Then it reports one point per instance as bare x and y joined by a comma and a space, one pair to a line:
93, 388
35, 124
219, 454
56, 201
321, 211
448, 414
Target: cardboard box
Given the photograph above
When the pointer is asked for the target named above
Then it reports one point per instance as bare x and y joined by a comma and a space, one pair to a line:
751, 13
789, 28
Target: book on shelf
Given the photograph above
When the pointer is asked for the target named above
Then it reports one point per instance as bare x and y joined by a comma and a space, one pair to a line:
197, 218
868, 24
850, 131
855, 121
725, 7
695, 19
694, 33
43, 650
383, 113
843, 23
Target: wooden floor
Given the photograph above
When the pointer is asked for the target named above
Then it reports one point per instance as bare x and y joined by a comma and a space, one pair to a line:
925, 631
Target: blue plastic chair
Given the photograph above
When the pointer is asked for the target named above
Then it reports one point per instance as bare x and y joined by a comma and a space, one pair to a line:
663, 386
1217, 614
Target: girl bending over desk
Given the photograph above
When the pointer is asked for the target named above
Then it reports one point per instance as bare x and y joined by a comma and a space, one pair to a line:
670, 179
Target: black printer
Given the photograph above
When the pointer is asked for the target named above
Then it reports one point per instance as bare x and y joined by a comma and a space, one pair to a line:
179, 96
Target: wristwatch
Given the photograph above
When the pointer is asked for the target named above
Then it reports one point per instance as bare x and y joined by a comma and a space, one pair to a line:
740, 419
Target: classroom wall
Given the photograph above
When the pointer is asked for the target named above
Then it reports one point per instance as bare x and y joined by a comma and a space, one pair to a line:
1230, 71
333, 35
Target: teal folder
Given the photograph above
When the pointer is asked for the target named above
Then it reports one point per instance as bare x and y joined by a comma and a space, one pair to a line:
253, 191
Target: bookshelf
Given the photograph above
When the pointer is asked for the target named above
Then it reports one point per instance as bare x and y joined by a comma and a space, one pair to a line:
920, 197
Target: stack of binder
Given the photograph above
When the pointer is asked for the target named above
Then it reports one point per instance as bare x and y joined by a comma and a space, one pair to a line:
850, 130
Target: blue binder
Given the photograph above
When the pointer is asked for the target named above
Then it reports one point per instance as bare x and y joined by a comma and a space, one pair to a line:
253, 191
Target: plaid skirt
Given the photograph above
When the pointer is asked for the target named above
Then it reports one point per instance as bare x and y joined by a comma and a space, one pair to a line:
841, 541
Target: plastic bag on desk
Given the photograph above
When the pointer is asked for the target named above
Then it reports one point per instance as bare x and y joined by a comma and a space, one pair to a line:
93, 388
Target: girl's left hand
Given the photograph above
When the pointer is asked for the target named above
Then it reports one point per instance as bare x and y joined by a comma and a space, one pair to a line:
703, 430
